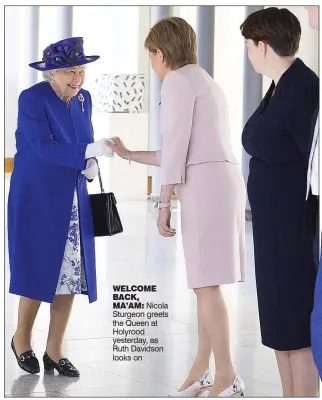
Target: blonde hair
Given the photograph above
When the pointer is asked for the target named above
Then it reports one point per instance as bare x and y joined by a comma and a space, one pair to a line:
176, 39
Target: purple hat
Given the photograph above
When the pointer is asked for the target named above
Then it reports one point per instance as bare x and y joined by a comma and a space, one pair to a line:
64, 54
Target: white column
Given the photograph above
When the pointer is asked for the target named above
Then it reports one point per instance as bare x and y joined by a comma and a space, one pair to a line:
22, 24
30, 31
66, 18
143, 55
144, 67
157, 13
205, 37
12, 63
21, 48
252, 98
61, 24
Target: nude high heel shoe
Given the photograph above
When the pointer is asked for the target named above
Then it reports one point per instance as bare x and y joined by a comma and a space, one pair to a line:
204, 382
237, 389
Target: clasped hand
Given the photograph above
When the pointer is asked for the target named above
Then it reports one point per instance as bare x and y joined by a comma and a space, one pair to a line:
99, 148
96, 149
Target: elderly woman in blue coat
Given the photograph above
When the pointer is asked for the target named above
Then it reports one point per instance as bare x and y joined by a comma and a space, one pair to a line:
50, 227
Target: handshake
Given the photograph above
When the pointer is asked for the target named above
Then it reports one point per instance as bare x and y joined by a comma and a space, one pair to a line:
100, 148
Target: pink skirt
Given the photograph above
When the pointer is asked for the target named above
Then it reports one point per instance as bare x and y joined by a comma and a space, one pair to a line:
213, 201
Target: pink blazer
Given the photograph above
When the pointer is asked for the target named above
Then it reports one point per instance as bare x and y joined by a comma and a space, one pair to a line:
194, 123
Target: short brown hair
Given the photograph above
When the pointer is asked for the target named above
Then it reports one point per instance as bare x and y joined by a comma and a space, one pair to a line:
277, 27
176, 39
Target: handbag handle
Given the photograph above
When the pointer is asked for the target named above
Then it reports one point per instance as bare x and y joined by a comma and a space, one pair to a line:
101, 184
100, 178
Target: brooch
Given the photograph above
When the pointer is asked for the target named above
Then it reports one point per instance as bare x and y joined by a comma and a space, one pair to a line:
81, 99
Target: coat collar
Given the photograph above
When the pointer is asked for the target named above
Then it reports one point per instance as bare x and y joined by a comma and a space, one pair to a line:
291, 75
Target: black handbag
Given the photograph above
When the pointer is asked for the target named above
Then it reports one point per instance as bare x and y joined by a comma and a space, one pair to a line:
106, 218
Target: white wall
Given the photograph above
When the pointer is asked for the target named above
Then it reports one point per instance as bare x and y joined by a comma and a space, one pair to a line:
143, 56
128, 182
229, 67
119, 40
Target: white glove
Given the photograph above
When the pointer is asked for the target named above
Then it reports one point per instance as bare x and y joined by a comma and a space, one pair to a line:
91, 170
97, 149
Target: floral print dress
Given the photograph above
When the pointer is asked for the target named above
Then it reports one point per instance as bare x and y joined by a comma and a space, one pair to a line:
72, 278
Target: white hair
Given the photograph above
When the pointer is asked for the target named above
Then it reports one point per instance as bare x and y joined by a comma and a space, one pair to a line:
48, 75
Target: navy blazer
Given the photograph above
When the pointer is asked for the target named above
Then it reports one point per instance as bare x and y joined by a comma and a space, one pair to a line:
277, 136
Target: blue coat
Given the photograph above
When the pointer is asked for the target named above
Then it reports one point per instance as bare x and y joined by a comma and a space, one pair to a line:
316, 322
51, 143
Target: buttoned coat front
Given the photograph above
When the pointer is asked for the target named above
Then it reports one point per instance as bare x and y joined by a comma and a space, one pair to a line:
51, 142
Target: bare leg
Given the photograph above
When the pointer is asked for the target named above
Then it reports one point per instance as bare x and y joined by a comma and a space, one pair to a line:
59, 316
283, 359
305, 374
201, 363
27, 312
214, 314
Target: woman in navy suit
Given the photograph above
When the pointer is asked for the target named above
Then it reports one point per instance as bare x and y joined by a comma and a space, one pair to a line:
50, 227
277, 136
313, 185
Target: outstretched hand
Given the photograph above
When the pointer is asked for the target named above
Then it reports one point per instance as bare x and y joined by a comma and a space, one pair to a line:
118, 147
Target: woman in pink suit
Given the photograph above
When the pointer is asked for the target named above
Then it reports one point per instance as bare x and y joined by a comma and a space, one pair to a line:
197, 163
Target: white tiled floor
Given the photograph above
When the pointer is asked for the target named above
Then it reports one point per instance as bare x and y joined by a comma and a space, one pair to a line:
141, 256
